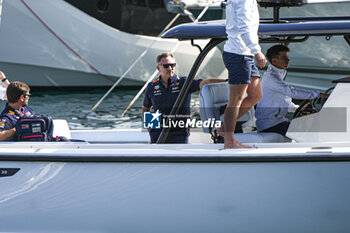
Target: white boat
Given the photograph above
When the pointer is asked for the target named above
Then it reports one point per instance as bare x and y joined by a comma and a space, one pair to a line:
117, 182
53, 44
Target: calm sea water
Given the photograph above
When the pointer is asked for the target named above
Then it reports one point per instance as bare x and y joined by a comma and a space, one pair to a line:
74, 107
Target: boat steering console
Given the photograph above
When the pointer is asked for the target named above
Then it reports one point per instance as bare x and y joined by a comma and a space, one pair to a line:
312, 105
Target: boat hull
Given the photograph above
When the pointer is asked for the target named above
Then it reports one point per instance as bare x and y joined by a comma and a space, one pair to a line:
50, 77
176, 196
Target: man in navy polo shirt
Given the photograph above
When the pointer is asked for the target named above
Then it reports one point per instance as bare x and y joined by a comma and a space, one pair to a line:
162, 93
17, 97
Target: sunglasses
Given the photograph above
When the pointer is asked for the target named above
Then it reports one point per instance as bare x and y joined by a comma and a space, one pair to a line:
28, 94
167, 65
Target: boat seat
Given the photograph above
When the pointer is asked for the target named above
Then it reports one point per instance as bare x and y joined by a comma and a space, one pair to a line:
261, 137
61, 128
214, 96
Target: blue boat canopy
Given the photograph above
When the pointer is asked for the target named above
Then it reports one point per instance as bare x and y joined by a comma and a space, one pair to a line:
288, 27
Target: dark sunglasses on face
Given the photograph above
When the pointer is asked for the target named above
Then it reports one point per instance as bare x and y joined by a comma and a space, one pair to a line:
28, 94
167, 65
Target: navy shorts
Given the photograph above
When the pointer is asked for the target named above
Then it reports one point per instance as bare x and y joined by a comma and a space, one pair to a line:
240, 68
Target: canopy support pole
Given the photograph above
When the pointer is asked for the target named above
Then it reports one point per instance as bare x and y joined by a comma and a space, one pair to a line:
186, 87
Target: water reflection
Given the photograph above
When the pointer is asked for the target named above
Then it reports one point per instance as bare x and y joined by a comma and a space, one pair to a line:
30, 180
74, 107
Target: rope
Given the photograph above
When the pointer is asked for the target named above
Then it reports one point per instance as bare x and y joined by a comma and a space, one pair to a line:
63, 42
132, 65
156, 72
144, 86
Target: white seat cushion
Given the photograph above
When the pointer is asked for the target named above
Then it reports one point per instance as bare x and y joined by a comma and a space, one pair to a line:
61, 128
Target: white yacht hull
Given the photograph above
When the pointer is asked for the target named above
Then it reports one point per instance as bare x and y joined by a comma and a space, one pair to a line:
61, 46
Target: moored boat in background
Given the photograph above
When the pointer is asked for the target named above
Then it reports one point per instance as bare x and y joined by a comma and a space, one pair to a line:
60, 44
54, 44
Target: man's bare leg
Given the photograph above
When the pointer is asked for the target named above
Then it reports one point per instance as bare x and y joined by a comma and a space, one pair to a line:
236, 97
254, 95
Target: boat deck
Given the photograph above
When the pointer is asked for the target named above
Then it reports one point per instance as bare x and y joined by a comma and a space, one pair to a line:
120, 152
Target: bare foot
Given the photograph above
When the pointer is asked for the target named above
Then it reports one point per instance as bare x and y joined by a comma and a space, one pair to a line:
235, 145
242, 145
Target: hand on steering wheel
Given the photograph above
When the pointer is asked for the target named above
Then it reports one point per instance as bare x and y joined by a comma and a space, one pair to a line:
309, 106
305, 108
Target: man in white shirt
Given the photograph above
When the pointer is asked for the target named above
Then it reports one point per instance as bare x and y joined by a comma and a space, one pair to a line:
5, 82
242, 23
271, 111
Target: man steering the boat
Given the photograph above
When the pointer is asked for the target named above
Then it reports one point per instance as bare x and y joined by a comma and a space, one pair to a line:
271, 111
162, 93
242, 23
17, 96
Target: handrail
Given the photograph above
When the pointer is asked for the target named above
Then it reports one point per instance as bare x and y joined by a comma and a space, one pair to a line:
186, 87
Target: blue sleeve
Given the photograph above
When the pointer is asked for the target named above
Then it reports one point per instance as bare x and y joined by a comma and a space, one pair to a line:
147, 100
195, 85
2, 124
281, 87
5, 123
